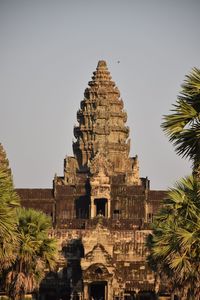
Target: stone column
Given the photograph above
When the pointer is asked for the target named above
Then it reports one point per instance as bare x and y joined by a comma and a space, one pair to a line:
109, 289
137, 297
92, 209
86, 293
108, 209
106, 292
172, 296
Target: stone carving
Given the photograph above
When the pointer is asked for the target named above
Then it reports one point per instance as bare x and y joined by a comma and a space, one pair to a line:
101, 121
70, 168
98, 272
100, 165
132, 176
101, 209
99, 190
102, 138
99, 255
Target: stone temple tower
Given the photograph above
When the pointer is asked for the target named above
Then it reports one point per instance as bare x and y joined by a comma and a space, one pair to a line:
102, 126
101, 209
102, 146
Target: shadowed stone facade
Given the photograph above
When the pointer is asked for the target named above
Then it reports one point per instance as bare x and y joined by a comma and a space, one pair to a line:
101, 208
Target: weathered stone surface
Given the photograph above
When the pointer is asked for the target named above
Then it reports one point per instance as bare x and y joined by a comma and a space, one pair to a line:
101, 208
102, 127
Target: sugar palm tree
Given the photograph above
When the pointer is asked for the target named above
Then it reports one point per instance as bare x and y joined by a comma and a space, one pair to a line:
9, 201
183, 125
175, 242
36, 252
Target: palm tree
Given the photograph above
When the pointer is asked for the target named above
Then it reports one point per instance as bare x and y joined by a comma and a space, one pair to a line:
175, 242
36, 252
183, 125
9, 201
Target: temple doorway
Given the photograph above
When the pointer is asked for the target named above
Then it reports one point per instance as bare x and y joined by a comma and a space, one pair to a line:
101, 205
98, 290
146, 296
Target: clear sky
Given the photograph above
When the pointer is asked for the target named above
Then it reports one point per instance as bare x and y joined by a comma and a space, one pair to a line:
48, 51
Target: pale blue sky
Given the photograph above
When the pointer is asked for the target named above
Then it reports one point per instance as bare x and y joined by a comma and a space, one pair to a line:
48, 51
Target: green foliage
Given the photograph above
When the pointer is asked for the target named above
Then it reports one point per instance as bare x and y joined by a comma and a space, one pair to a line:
9, 201
35, 253
175, 242
25, 248
183, 125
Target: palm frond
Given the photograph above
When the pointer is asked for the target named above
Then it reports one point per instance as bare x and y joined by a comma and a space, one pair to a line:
182, 126
174, 244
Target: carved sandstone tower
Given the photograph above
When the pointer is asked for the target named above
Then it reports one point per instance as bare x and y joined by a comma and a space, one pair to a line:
102, 123
102, 146
102, 127
100, 208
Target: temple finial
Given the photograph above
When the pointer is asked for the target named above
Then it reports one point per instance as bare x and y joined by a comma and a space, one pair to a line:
102, 64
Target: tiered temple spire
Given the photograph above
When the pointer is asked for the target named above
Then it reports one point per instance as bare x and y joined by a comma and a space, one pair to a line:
102, 136
102, 121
